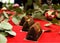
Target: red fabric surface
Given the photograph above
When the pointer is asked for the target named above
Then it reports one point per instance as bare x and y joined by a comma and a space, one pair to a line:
47, 37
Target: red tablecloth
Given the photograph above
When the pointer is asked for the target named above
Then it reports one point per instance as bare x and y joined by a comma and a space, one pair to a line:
49, 37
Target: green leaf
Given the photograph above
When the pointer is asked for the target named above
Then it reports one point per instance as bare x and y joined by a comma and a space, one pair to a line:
4, 33
29, 2
10, 8
38, 3
45, 7
16, 19
12, 33
38, 15
5, 25
5, 14
3, 39
54, 21
18, 10
4, 4
56, 6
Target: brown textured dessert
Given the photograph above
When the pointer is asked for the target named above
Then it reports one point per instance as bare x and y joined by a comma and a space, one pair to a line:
34, 32
27, 24
23, 20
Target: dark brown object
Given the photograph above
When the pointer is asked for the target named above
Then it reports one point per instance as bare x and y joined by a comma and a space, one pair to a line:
27, 24
34, 32
23, 20
1, 5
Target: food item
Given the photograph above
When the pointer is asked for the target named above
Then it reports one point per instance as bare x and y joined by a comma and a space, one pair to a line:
27, 24
23, 20
35, 32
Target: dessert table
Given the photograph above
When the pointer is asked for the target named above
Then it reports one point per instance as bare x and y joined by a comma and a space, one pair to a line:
46, 37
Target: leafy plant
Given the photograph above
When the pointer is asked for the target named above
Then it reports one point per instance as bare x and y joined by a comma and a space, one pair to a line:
54, 21
38, 15
10, 7
3, 39
45, 7
18, 10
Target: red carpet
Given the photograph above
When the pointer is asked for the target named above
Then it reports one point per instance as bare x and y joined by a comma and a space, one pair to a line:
50, 37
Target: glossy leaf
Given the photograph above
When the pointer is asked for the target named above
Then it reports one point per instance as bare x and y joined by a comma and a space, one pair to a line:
12, 33
3, 39
5, 25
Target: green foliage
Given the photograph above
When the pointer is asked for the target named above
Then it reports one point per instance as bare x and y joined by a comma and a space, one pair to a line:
56, 6
38, 3
29, 2
10, 7
45, 7
18, 10
54, 21
12, 33
29, 11
5, 26
4, 4
4, 33
38, 15
3, 39
5, 15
